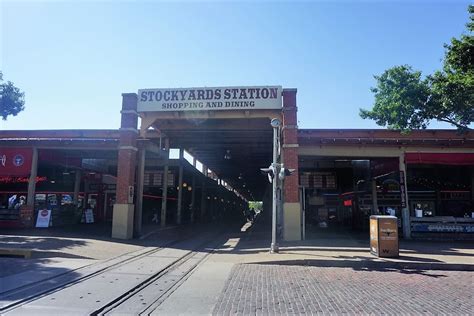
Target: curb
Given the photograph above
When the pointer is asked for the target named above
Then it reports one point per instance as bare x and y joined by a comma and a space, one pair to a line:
16, 252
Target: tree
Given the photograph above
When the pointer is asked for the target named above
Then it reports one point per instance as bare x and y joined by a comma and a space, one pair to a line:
12, 100
404, 100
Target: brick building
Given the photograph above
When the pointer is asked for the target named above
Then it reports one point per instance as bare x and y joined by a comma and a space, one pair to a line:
127, 176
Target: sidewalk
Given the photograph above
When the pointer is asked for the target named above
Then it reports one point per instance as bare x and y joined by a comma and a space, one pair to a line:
327, 276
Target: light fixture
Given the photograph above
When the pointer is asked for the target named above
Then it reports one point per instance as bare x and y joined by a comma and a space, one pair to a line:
190, 188
275, 123
240, 176
227, 155
185, 184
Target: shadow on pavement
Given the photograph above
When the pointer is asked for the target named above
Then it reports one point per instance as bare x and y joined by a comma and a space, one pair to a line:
30, 277
368, 264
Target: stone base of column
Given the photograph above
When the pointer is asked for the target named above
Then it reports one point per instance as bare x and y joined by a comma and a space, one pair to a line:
122, 222
291, 221
406, 223
27, 216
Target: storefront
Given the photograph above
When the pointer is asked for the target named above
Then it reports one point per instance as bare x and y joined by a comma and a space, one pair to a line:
71, 182
441, 194
425, 178
346, 176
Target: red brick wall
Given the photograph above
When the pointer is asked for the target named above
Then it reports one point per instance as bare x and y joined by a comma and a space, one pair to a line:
127, 148
290, 141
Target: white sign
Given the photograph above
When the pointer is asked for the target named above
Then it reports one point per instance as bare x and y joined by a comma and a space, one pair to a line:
89, 216
43, 219
207, 99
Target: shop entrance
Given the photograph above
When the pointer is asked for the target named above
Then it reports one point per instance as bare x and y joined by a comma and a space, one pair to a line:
227, 135
340, 194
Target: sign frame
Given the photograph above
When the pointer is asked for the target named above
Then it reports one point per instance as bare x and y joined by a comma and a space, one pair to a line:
210, 99
43, 220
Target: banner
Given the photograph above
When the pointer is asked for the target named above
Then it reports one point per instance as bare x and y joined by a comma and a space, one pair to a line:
206, 99
402, 190
15, 161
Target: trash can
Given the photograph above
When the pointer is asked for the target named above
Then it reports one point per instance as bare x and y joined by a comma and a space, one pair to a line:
384, 236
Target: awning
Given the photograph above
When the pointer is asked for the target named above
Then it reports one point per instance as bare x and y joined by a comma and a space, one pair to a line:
458, 159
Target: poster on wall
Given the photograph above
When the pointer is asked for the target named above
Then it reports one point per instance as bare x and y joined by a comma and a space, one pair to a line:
44, 218
89, 216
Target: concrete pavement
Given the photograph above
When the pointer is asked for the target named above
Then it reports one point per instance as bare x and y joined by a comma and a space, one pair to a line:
332, 274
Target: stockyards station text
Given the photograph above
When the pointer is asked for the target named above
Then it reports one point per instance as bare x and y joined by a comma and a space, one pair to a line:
189, 99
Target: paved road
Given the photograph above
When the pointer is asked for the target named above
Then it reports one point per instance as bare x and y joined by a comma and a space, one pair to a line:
276, 289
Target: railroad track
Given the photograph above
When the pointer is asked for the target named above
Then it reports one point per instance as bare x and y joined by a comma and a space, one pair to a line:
36, 290
142, 297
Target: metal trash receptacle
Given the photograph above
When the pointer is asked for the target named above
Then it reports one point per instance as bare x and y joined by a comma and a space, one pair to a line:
384, 236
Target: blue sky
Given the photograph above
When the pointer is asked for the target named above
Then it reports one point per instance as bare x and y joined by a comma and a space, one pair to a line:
74, 59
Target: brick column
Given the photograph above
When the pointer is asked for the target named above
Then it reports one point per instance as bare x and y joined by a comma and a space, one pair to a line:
164, 185
291, 205
122, 225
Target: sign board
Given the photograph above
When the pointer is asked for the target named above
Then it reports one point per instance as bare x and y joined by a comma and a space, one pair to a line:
210, 98
43, 219
402, 190
384, 236
15, 161
89, 216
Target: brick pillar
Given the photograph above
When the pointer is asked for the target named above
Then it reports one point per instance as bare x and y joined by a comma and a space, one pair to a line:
122, 225
291, 205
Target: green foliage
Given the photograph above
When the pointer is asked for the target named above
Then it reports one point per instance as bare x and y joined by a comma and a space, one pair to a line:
404, 100
256, 205
12, 100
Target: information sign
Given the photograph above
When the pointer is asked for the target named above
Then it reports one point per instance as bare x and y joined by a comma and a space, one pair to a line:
43, 219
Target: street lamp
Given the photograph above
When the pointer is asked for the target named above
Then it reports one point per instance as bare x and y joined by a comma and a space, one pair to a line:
276, 123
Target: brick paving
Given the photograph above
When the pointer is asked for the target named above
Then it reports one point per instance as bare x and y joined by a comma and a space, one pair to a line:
271, 289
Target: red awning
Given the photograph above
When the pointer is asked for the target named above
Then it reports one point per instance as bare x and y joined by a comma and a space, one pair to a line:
458, 159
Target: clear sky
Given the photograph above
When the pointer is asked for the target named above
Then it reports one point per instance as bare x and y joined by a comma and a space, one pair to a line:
74, 59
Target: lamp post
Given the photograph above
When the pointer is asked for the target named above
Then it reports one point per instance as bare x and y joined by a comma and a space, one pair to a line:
276, 123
